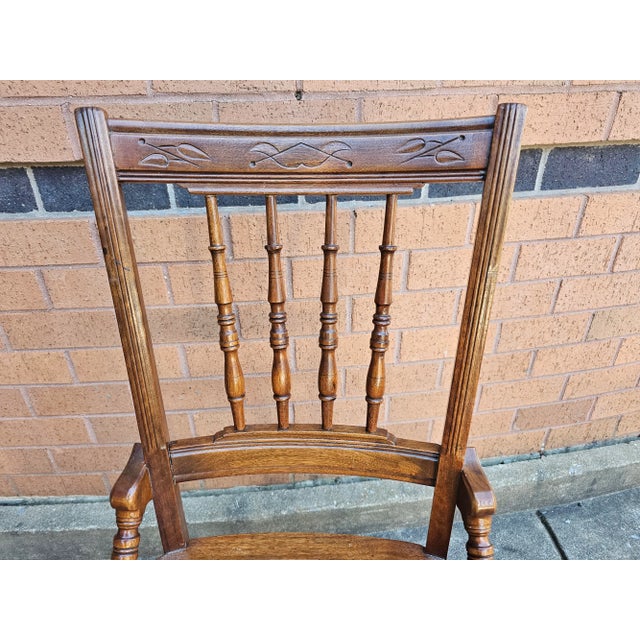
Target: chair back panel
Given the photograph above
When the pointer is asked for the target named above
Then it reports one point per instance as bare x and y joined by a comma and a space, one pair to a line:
230, 159
213, 160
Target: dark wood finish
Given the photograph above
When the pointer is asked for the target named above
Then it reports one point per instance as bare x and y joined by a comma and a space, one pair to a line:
389, 159
229, 342
129, 497
381, 319
305, 448
485, 261
121, 265
477, 505
278, 337
328, 370
303, 546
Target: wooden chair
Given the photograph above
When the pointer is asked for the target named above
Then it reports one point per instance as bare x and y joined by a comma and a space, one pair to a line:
214, 159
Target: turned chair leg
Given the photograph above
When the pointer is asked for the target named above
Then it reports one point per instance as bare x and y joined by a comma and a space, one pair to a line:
478, 546
477, 504
129, 497
127, 540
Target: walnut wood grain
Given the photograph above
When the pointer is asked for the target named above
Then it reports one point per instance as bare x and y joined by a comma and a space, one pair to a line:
278, 336
485, 261
388, 158
229, 342
344, 450
379, 342
302, 546
129, 497
328, 341
124, 282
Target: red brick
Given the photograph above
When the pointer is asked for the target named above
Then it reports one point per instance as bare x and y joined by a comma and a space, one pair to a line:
248, 233
629, 424
626, 125
61, 485
501, 395
207, 359
61, 329
353, 349
552, 415
542, 218
185, 395
81, 399
409, 310
426, 107
170, 239
356, 275
115, 429
417, 406
614, 404
193, 283
412, 430
46, 242
289, 111
501, 367
629, 351
7, 486
557, 118
194, 110
581, 433
70, 88
303, 318
366, 85
599, 291
29, 460
439, 269
417, 227
611, 323
20, 291
493, 423
183, 324
587, 355
509, 444
542, 332
33, 367
399, 379
611, 213
34, 134
564, 258
103, 365
209, 422
428, 344
222, 86
35, 432
12, 404
345, 411
91, 458
628, 258
590, 383
517, 300
89, 287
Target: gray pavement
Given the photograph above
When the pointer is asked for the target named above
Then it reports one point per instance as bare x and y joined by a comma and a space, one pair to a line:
575, 505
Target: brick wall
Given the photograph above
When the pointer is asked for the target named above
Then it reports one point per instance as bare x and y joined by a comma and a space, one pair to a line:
563, 354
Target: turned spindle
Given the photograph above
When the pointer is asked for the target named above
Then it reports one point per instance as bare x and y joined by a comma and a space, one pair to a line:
229, 343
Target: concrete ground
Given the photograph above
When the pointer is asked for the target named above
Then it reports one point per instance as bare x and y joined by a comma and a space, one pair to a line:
576, 505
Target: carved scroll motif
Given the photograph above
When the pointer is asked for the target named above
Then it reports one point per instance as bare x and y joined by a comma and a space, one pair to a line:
168, 154
436, 149
300, 154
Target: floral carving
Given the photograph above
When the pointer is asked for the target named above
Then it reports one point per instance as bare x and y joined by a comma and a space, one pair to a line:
436, 149
300, 154
168, 154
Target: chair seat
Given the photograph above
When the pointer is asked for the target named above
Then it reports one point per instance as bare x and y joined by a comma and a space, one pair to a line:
301, 546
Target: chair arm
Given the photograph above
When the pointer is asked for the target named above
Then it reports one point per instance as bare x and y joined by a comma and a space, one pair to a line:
475, 495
